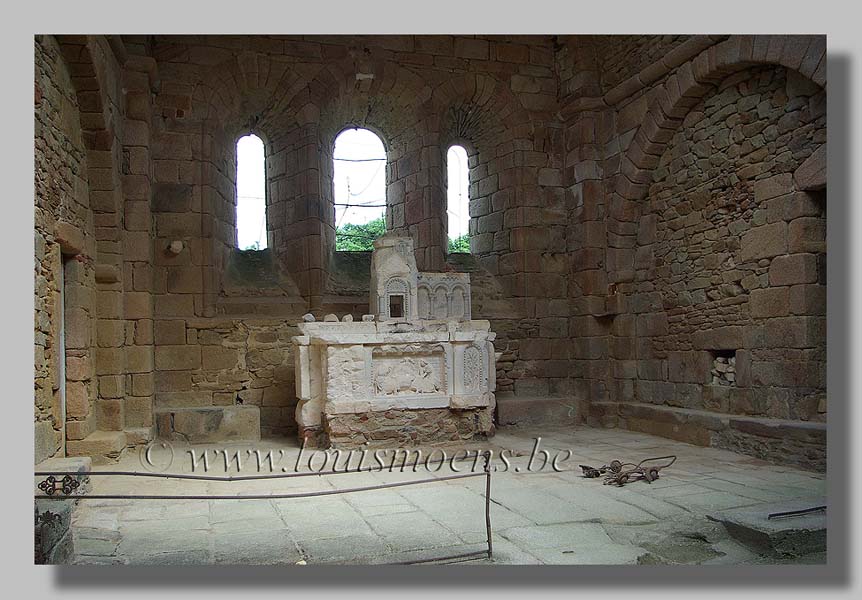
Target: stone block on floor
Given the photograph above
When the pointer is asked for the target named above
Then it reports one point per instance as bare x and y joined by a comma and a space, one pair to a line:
209, 424
793, 536
538, 409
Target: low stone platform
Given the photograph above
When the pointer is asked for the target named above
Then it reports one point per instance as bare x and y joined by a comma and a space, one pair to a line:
209, 424
782, 537
782, 441
512, 409
393, 428
103, 446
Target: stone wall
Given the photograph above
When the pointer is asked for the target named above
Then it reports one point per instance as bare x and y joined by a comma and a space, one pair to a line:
704, 224
624, 56
420, 94
731, 256
87, 168
61, 216
203, 363
730, 260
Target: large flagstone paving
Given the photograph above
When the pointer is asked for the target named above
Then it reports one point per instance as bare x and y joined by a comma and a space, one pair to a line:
544, 517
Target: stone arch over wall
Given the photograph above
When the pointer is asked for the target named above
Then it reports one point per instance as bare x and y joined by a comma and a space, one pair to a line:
382, 105
477, 108
248, 91
670, 103
78, 54
692, 80
727, 266
298, 109
389, 100
481, 113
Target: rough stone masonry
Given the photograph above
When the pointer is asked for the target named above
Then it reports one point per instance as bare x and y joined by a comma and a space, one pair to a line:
643, 209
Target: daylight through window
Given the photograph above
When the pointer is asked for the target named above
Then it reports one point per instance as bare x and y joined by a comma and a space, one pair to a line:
359, 189
458, 199
250, 193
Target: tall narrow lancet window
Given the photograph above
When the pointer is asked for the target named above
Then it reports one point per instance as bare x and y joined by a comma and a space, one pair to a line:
250, 193
458, 199
359, 189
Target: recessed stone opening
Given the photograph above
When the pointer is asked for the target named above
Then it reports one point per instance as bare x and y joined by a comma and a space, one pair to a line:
250, 193
358, 189
458, 200
396, 306
723, 367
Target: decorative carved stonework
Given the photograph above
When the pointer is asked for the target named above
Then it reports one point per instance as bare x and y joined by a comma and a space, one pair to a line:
421, 352
443, 296
409, 375
473, 372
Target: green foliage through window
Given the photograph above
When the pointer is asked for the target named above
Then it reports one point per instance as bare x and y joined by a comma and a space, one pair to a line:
460, 244
352, 237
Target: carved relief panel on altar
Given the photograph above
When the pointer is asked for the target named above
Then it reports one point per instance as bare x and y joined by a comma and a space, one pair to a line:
408, 370
474, 370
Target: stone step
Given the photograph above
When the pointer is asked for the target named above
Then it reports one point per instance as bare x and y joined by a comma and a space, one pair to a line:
103, 447
512, 409
788, 537
138, 436
209, 424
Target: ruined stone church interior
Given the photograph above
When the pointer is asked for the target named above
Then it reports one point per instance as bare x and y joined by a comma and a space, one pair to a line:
612, 246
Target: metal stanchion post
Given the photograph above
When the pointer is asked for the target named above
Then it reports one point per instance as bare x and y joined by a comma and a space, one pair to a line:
488, 502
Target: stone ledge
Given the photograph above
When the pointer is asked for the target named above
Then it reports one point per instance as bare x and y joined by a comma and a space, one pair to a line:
102, 446
716, 420
781, 441
513, 410
811, 174
138, 436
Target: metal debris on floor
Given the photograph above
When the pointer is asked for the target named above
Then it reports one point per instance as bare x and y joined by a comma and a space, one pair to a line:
620, 473
796, 513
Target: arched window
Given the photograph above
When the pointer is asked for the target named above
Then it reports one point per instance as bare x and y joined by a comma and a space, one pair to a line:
359, 189
250, 193
458, 199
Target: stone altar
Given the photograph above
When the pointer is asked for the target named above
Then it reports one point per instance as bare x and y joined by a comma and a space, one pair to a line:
416, 370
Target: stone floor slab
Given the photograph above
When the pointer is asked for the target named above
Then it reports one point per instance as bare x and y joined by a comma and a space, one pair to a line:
542, 518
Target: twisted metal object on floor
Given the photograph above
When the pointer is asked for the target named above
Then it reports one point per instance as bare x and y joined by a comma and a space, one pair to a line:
620, 473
